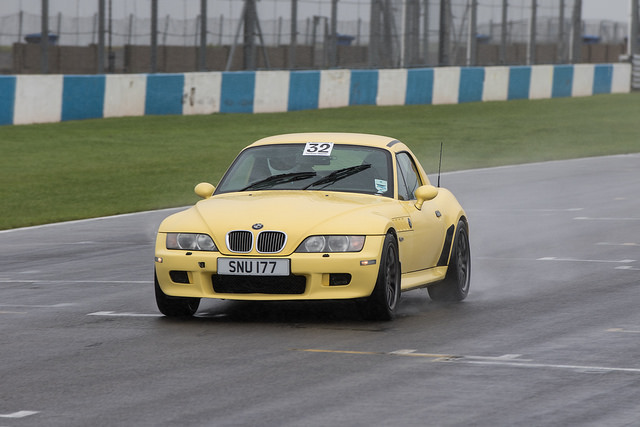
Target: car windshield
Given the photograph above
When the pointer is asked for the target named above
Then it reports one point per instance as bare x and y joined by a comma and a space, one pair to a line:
310, 166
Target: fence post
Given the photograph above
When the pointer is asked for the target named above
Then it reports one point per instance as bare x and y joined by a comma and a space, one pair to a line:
425, 33
129, 36
249, 46
44, 38
632, 45
221, 30
111, 54
444, 42
374, 33
333, 38
101, 36
165, 33
20, 18
472, 40
503, 33
59, 26
561, 44
533, 22
576, 32
202, 57
154, 36
411, 31
294, 34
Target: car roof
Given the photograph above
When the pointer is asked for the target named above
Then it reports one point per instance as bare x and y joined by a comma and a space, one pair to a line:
380, 141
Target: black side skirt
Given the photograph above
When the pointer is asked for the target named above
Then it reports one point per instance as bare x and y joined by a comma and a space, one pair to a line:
444, 256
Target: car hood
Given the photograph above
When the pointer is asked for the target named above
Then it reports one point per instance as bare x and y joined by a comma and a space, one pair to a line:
297, 213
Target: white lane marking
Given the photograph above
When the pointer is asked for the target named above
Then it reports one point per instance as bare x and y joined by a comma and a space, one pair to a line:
627, 267
583, 368
114, 314
617, 244
61, 305
623, 330
543, 210
88, 220
510, 360
73, 281
403, 352
552, 258
19, 414
586, 218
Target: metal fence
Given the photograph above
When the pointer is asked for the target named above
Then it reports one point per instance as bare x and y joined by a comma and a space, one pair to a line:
392, 33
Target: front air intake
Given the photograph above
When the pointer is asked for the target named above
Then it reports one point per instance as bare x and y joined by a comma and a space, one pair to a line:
271, 242
240, 241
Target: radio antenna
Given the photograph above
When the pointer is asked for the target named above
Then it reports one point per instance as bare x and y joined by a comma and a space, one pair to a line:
440, 164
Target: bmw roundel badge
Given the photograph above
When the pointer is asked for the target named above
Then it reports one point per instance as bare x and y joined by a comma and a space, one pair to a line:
257, 226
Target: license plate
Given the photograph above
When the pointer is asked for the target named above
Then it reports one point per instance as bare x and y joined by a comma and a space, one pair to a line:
253, 267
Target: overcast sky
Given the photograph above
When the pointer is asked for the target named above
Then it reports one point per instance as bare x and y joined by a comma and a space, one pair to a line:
614, 10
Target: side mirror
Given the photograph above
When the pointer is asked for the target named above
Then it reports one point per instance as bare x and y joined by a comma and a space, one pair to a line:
425, 193
204, 190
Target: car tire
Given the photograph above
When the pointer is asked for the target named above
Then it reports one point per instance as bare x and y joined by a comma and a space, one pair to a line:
455, 286
175, 306
384, 299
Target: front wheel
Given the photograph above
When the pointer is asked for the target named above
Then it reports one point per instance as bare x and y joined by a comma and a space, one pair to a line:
382, 303
175, 306
455, 286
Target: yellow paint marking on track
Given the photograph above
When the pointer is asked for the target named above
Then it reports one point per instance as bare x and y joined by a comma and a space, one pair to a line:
13, 312
316, 350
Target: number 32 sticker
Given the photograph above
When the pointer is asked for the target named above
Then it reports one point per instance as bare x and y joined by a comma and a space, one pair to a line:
318, 149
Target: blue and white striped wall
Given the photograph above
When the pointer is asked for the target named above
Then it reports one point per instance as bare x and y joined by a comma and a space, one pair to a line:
52, 98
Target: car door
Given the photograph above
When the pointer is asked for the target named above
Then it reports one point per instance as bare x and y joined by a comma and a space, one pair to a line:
422, 245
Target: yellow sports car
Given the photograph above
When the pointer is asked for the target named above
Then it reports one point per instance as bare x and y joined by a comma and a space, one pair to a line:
316, 216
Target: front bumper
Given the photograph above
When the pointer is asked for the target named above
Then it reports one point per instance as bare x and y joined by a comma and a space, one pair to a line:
197, 268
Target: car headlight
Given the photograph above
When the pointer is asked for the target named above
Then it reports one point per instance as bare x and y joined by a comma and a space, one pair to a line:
190, 242
332, 244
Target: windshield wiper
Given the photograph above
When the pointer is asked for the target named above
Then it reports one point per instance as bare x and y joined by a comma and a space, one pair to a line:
338, 175
278, 179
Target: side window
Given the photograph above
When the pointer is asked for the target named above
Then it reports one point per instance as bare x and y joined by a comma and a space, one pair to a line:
408, 178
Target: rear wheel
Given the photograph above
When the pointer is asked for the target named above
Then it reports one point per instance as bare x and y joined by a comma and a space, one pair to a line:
455, 286
382, 303
175, 306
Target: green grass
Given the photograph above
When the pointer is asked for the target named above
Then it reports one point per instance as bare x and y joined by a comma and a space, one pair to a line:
73, 170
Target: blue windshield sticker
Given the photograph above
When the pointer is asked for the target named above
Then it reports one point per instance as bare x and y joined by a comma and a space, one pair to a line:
381, 185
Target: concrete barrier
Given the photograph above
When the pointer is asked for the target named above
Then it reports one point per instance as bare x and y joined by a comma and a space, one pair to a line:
271, 92
124, 95
38, 99
51, 98
201, 93
496, 84
392, 87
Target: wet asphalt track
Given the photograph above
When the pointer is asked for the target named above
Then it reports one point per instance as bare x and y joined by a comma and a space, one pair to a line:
550, 334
